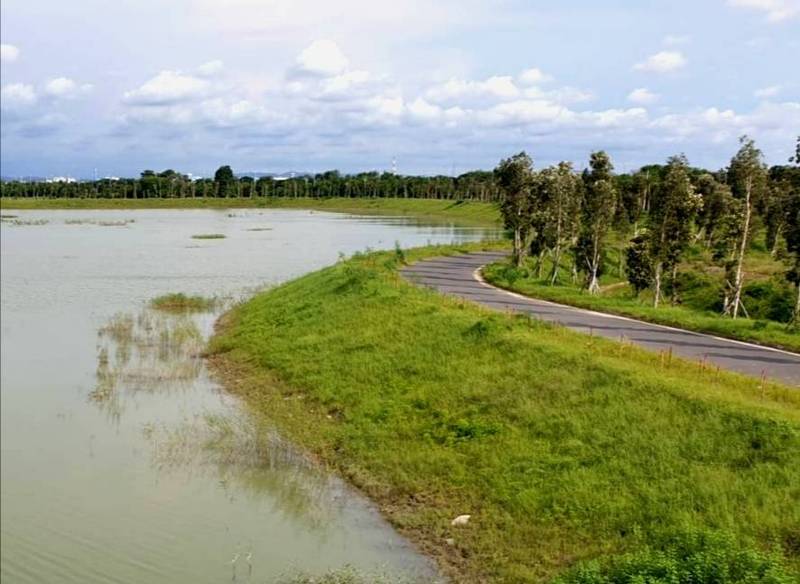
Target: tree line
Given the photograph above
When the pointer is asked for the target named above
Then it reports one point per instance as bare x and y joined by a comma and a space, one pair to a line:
662, 209
474, 186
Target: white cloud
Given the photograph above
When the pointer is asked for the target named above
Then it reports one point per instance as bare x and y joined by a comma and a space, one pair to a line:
774, 10
65, 87
453, 90
767, 92
210, 68
662, 62
168, 87
533, 76
322, 57
8, 53
17, 95
642, 95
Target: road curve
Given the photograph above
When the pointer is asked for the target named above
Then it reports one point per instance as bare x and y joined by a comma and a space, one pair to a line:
459, 276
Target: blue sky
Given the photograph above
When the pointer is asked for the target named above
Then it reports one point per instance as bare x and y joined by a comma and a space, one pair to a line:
275, 85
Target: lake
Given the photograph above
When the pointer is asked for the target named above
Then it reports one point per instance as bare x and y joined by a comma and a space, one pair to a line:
122, 461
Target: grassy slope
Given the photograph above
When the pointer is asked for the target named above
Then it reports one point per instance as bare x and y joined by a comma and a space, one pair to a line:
561, 446
464, 212
617, 299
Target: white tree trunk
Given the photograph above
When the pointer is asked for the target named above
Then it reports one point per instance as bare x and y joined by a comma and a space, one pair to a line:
737, 284
657, 282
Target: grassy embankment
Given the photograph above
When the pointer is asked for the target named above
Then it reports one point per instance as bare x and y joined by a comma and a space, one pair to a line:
467, 212
562, 447
700, 291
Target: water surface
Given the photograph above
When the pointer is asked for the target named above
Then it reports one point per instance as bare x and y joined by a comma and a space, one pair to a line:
123, 490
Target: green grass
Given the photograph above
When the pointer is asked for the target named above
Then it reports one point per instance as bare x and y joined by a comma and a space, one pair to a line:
619, 299
180, 302
563, 448
465, 212
209, 236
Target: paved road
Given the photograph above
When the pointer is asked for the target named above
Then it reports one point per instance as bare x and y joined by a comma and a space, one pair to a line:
457, 275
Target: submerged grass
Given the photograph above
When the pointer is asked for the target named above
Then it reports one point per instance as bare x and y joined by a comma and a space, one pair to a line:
180, 302
563, 448
208, 236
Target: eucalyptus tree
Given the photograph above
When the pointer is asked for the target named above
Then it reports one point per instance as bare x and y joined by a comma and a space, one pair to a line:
747, 177
514, 178
792, 231
562, 198
597, 212
716, 202
670, 221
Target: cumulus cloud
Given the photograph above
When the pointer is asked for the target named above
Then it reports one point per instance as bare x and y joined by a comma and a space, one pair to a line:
453, 90
662, 62
323, 58
533, 76
642, 95
210, 68
767, 92
8, 53
774, 10
65, 87
16, 95
168, 87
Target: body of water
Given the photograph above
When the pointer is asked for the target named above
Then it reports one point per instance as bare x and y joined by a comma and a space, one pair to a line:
122, 461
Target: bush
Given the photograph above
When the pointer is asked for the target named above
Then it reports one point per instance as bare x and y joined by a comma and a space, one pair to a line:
694, 557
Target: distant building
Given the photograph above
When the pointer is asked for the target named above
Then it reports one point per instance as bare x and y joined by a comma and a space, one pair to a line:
60, 179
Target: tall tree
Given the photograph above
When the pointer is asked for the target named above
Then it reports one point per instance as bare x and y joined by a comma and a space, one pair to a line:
715, 197
562, 212
597, 212
792, 231
747, 177
671, 216
224, 181
514, 176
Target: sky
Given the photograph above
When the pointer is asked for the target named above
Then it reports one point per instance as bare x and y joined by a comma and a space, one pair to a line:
102, 88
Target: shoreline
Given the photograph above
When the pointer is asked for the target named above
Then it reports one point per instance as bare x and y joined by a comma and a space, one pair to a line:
467, 213
262, 351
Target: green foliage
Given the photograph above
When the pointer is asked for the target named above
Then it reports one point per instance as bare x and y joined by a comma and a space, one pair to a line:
638, 264
695, 557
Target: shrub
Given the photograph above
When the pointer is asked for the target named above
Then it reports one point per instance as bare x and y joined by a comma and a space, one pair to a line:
693, 557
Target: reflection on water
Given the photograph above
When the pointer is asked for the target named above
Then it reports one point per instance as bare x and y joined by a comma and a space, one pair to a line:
122, 461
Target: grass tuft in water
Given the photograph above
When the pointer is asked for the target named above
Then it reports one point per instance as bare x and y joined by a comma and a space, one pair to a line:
208, 236
180, 302
349, 575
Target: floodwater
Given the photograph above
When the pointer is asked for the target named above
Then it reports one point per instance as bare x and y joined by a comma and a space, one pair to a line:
122, 461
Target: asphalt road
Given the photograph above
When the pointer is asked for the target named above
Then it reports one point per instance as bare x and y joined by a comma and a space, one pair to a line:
458, 276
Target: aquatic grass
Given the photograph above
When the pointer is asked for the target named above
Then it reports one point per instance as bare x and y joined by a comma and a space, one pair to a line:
350, 575
562, 447
152, 351
242, 451
259, 229
209, 236
7, 217
101, 223
180, 302
27, 222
